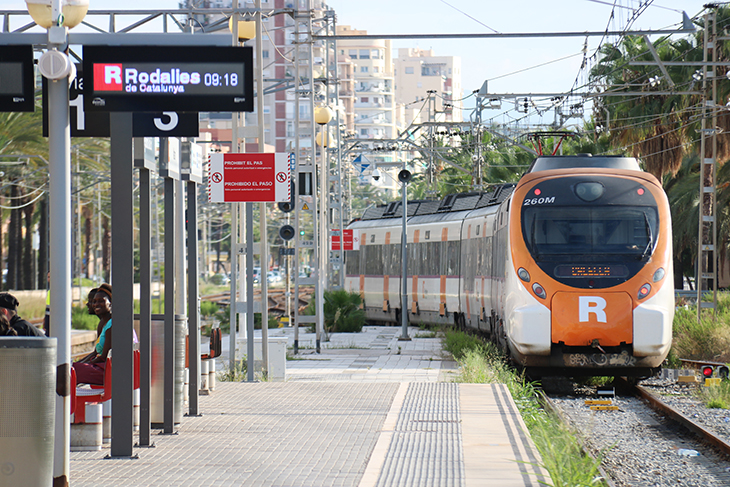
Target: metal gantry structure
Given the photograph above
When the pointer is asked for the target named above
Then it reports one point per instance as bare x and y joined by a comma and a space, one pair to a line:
707, 255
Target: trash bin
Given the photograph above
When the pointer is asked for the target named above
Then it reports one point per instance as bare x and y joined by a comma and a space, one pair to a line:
157, 387
27, 410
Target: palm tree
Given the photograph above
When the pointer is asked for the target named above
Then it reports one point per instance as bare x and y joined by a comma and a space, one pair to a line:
652, 127
91, 185
683, 196
364, 196
20, 134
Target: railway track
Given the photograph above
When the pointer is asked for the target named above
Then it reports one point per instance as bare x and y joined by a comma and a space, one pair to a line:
276, 299
658, 434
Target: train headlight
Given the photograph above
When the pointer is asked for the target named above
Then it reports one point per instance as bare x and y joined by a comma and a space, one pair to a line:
644, 291
659, 274
539, 291
589, 191
524, 275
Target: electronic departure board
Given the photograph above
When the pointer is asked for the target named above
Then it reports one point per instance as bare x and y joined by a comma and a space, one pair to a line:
180, 78
17, 85
612, 270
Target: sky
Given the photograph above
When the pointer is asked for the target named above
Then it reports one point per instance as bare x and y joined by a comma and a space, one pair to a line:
486, 59
510, 65
534, 65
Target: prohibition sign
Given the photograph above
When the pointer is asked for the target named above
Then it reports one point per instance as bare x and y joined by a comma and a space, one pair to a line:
281, 177
217, 177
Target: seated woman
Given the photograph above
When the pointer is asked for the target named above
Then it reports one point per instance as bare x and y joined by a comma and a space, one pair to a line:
90, 369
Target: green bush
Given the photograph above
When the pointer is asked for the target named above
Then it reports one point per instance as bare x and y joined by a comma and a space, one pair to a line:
716, 396
342, 313
208, 308
223, 316
273, 321
218, 280
708, 339
82, 320
458, 344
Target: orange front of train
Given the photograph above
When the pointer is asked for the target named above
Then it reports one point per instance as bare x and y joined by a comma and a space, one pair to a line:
590, 282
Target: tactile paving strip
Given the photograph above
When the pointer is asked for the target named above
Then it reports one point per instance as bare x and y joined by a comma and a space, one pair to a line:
426, 448
382, 341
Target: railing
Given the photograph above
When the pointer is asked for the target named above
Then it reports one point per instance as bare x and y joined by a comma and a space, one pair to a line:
139, 18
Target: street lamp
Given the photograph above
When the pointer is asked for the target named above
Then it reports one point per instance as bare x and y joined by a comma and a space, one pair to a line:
404, 176
246, 29
72, 11
242, 31
322, 116
57, 16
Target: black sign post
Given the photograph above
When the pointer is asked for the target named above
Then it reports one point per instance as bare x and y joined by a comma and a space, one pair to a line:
130, 79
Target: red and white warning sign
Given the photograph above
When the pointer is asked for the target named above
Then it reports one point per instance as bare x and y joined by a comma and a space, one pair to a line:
251, 178
352, 241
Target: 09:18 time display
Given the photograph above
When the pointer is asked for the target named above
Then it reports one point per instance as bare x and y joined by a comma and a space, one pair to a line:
215, 79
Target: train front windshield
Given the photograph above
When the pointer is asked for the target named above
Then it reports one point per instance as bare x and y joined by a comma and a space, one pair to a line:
590, 233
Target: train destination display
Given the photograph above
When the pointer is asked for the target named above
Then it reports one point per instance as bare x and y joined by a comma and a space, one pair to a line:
181, 78
591, 271
198, 79
17, 84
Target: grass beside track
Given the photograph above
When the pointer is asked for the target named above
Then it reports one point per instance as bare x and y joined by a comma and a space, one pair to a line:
482, 363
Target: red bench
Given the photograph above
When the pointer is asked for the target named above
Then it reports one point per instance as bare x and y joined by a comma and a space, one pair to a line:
80, 397
215, 347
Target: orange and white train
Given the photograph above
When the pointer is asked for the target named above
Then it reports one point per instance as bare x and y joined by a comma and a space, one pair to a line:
569, 270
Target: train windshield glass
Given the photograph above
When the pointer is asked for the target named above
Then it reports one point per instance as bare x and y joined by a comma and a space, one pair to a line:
590, 232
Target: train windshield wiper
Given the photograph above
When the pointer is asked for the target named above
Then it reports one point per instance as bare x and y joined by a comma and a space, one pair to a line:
650, 243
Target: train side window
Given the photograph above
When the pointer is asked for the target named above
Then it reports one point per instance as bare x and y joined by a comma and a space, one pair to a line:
374, 260
428, 235
439, 256
352, 262
413, 261
478, 226
452, 261
487, 271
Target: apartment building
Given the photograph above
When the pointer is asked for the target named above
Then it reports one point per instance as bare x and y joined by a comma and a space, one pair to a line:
278, 71
417, 71
365, 70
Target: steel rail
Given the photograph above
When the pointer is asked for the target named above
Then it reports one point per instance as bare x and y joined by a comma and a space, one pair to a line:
660, 406
699, 363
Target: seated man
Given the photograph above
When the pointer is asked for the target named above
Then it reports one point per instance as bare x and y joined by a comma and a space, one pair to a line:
9, 308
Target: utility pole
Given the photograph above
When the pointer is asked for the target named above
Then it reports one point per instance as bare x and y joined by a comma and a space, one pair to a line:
305, 166
477, 132
431, 172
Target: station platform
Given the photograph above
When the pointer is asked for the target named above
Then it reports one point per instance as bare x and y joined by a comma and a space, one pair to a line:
382, 415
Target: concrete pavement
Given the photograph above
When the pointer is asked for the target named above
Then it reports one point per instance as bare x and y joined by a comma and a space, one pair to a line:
368, 411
